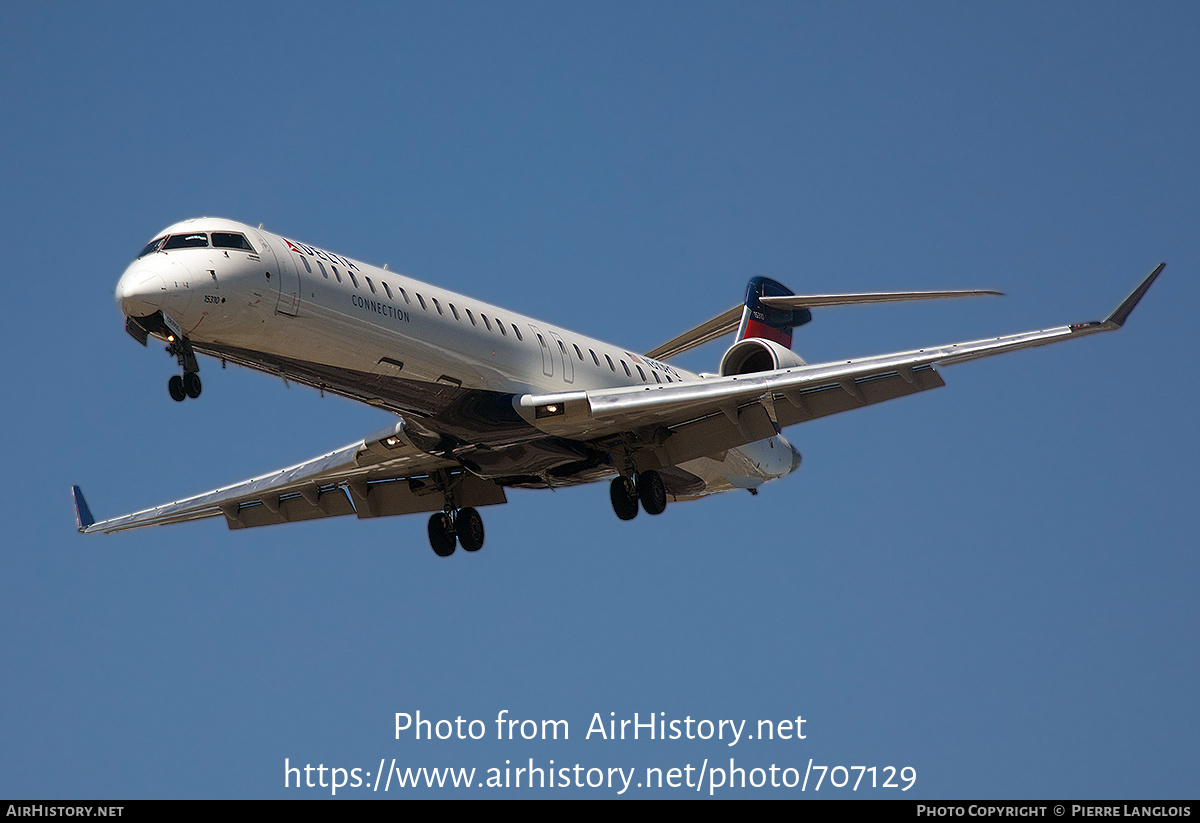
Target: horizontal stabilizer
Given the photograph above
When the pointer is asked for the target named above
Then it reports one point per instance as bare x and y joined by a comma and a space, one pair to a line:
808, 301
719, 326
728, 322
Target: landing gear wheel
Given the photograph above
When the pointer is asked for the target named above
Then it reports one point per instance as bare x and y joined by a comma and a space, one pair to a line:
469, 527
441, 534
652, 492
624, 498
175, 387
191, 385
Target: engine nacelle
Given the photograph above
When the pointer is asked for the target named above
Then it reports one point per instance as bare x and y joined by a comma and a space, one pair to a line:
755, 354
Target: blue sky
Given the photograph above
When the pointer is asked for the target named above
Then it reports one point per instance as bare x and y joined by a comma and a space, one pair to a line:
993, 583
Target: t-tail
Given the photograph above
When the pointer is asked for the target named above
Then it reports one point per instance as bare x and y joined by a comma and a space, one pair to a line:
771, 310
766, 322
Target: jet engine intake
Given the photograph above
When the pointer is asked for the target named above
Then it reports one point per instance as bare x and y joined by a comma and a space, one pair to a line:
755, 354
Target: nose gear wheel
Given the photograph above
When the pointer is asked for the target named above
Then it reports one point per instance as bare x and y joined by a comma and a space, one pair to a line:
187, 384
175, 387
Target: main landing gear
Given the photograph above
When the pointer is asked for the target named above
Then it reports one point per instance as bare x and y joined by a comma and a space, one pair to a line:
649, 489
465, 526
187, 384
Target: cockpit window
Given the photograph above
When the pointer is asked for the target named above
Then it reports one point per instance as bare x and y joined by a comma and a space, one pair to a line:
152, 246
230, 240
195, 240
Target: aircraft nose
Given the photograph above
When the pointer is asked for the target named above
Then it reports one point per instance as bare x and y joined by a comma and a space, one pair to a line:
139, 292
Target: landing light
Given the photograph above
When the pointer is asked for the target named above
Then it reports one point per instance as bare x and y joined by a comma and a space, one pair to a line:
549, 410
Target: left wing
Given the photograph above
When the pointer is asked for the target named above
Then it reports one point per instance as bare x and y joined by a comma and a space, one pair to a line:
384, 474
688, 420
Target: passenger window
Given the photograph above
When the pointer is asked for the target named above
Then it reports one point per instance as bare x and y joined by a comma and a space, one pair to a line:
420, 300
304, 260
335, 272
387, 289
321, 266
642, 373
625, 366
454, 311
486, 322
610, 362
592, 352
370, 285
657, 379
578, 353
437, 305
518, 331
500, 326
353, 279
404, 294
470, 317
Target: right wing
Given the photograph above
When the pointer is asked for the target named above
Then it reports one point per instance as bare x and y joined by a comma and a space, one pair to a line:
384, 474
682, 421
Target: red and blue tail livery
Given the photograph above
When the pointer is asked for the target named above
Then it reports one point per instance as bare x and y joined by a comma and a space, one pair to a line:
761, 320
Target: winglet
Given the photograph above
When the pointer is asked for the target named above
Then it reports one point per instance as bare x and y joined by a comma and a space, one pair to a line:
83, 515
1117, 318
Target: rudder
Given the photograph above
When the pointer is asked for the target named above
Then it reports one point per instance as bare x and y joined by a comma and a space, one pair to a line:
759, 320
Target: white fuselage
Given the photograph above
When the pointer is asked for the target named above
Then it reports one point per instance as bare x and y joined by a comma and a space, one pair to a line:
310, 315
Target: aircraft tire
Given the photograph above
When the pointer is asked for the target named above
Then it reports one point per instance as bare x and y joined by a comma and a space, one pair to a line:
624, 498
191, 385
175, 387
652, 492
441, 534
468, 525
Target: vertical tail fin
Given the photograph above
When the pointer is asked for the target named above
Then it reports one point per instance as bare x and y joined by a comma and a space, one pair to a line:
759, 320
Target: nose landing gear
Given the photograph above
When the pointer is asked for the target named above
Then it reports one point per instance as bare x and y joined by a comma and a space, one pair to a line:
187, 385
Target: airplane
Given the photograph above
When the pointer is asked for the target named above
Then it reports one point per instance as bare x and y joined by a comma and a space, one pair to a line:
487, 399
